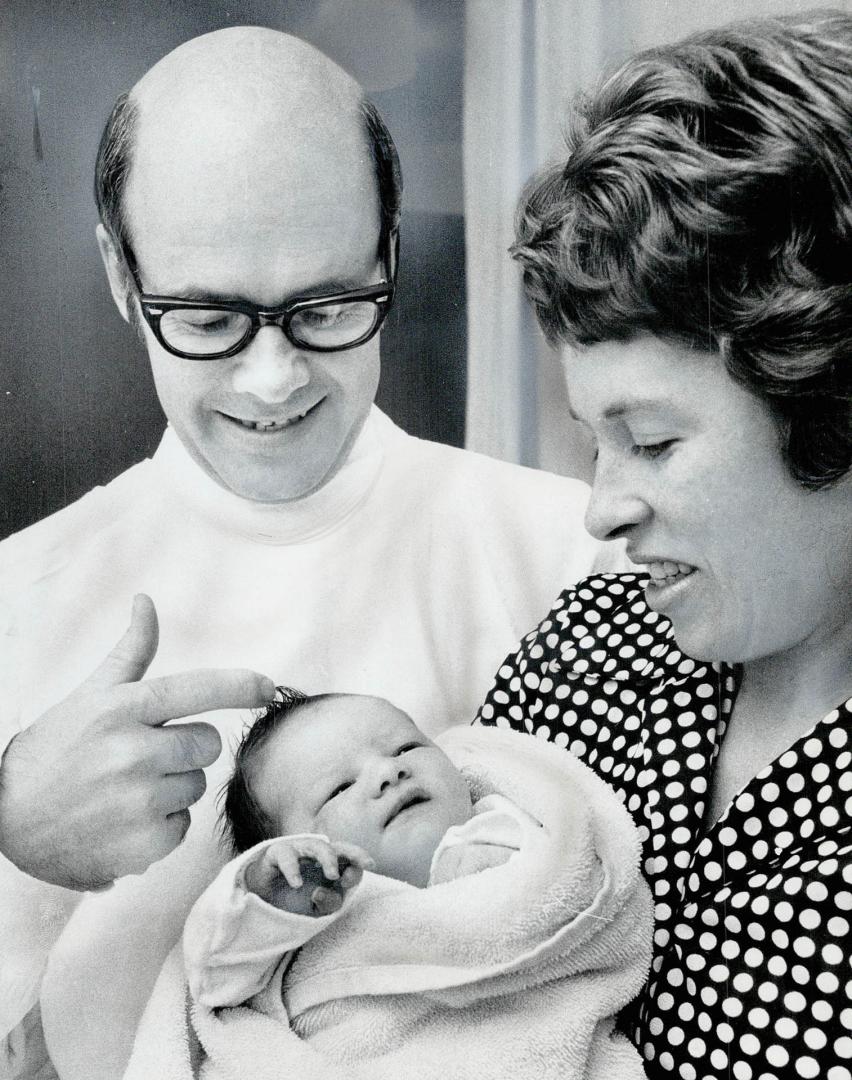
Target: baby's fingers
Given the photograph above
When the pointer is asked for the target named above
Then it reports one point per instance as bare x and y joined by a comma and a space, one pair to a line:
287, 861
352, 855
322, 853
325, 901
350, 876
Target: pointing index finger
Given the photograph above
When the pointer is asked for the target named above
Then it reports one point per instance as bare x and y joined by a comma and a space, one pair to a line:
170, 697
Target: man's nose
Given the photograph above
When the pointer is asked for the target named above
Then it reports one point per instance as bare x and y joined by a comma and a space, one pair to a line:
616, 503
270, 368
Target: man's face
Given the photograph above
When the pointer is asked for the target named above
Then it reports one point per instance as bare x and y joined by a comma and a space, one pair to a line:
246, 218
357, 769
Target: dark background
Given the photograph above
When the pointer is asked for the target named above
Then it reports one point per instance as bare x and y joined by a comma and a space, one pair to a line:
78, 403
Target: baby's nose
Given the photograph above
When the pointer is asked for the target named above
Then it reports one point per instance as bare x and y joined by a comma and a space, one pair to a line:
393, 776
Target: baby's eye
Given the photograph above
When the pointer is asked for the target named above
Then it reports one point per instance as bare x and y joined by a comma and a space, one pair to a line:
340, 788
408, 746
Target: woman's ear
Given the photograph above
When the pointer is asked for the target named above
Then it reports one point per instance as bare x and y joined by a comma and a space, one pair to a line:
115, 270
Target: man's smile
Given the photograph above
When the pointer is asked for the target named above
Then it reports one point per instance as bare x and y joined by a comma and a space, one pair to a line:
271, 424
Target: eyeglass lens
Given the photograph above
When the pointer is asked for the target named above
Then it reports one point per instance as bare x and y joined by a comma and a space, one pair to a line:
202, 331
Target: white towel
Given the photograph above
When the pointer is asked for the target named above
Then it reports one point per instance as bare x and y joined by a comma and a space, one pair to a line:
515, 971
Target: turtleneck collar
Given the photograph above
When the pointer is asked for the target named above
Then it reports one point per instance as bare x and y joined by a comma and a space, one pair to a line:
275, 523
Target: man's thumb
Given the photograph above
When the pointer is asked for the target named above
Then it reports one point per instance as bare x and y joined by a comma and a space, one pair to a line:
131, 656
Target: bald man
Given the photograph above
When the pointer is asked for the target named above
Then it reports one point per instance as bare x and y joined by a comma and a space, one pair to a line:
249, 199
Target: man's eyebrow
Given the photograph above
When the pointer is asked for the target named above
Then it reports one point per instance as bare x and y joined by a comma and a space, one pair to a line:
330, 287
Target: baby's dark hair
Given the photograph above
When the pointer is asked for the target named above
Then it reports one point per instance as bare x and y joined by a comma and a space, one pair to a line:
243, 820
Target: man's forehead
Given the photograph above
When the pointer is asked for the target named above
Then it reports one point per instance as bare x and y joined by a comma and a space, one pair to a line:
247, 129
255, 67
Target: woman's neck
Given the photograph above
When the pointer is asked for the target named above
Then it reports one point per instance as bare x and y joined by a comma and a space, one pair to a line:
780, 698
796, 688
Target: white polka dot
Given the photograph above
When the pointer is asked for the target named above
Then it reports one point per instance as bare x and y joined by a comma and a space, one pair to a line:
843, 1047
786, 1028
777, 1056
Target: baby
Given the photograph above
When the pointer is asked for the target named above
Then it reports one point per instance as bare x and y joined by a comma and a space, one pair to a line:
466, 908
357, 770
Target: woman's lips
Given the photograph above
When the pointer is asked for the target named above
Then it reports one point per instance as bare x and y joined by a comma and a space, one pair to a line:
668, 580
666, 572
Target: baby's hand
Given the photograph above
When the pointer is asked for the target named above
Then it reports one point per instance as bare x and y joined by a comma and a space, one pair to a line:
307, 876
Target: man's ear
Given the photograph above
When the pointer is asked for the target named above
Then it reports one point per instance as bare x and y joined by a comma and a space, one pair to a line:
115, 270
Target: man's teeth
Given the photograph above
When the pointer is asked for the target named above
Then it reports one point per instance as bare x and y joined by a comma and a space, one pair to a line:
666, 571
272, 425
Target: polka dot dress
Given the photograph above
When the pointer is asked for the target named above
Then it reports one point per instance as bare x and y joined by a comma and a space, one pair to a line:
751, 973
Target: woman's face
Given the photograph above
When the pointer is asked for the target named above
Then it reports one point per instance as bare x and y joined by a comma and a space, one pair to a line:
745, 562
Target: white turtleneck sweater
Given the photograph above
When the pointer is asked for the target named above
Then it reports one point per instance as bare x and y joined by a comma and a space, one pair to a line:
409, 576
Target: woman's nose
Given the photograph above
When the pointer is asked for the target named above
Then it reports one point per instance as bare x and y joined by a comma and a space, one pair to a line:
270, 368
615, 505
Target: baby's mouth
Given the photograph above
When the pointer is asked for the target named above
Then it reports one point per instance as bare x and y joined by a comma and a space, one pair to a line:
415, 798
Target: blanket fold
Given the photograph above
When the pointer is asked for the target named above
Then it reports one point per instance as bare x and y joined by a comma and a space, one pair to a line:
517, 970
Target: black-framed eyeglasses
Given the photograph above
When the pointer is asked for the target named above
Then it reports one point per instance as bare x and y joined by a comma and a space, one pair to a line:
199, 330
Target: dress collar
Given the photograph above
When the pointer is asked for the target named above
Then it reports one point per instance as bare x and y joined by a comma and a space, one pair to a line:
613, 634
276, 523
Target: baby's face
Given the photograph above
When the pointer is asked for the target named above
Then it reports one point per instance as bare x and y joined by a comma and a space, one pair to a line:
359, 770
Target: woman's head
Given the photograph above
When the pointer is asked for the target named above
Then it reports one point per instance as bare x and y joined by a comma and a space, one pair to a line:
707, 200
745, 561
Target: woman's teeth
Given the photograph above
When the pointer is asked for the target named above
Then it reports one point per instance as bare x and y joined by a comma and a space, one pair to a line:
664, 573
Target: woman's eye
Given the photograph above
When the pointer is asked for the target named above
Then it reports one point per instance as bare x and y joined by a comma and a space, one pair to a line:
340, 788
652, 450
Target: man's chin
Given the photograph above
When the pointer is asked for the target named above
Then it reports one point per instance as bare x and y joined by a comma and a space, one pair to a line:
270, 491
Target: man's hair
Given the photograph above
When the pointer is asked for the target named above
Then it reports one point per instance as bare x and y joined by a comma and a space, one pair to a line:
243, 820
707, 198
115, 156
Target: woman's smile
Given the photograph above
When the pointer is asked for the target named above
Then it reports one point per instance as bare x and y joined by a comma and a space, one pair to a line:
668, 583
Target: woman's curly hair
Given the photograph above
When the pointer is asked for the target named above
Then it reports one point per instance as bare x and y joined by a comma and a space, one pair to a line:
707, 198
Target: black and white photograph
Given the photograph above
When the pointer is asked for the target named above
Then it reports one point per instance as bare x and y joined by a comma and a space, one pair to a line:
425, 540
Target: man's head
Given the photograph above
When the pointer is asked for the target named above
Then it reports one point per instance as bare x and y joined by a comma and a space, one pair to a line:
349, 767
246, 166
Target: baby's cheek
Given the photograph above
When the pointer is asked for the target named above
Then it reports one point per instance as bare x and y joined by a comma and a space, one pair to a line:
336, 824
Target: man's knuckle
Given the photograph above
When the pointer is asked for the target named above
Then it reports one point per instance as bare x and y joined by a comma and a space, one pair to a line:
194, 786
184, 748
178, 826
200, 784
157, 694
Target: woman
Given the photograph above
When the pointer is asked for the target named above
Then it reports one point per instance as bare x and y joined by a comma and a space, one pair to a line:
692, 257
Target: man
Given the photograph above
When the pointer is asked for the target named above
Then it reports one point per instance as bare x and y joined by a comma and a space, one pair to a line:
249, 203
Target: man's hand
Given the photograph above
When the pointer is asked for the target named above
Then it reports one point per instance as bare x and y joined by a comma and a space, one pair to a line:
97, 787
307, 876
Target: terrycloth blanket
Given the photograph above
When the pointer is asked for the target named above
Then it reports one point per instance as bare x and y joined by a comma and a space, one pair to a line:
515, 971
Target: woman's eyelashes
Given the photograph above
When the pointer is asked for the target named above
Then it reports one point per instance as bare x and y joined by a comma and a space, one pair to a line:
652, 449
649, 450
